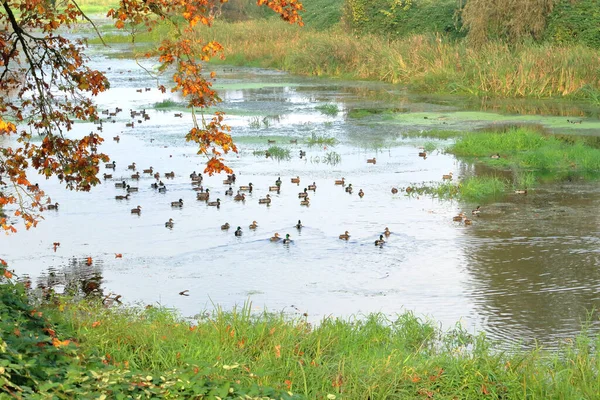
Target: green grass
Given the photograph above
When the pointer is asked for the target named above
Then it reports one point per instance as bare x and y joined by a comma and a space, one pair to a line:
332, 158
279, 153
330, 109
320, 140
476, 188
433, 134
168, 104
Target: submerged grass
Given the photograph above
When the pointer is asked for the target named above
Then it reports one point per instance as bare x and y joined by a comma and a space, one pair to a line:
279, 153
167, 104
368, 357
319, 140
330, 109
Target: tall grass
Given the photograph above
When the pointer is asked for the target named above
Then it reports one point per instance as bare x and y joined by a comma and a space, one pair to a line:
372, 356
330, 109
476, 188
279, 153
319, 140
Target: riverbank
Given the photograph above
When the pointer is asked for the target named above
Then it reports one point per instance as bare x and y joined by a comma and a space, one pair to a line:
70, 348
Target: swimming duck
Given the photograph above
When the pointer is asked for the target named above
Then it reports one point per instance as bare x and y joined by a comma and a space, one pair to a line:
394, 190
447, 177
349, 188
107, 176
132, 189
225, 226
266, 200
302, 153
274, 188
278, 181
160, 183
371, 160
459, 217
287, 239
169, 223
203, 195
136, 176
312, 187
253, 225
116, 138
361, 193
476, 211
215, 203
194, 175
387, 232
169, 175
520, 191
33, 188
495, 156
345, 236
137, 210
340, 182
112, 165
53, 206
467, 221
296, 180
162, 189
121, 184
305, 202
380, 241
149, 171
247, 188
229, 192
126, 197
157, 176
299, 225
238, 231
275, 237
177, 203
131, 166
154, 185
304, 194
422, 154
240, 197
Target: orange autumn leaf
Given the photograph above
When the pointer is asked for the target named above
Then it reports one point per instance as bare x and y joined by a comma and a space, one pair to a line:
278, 351
89, 261
96, 324
118, 255
8, 274
60, 343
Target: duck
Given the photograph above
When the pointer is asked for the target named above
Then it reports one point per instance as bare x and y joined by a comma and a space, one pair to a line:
476, 211
178, 115
296, 180
231, 177
112, 165
107, 176
253, 225
304, 194
394, 190
177, 203
302, 153
467, 221
293, 141
287, 239
345, 236
169, 223
275, 237
137, 210
271, 141
132, 189
371, 160
278, 181
387, 232
423, 154
459, 217
169, 174
225, 226
274, 188
380, 241
157, 176
126, 197
214, 203
246, 188
162, 189
160, 183
203, 195
520, 191
193, 175
299, 225
154, 185
131, 166
136, 176
229, 192
52, 206
149, 171
227, 181
266, 200
238, 231
495, 156
240, 197
349, 188
313, 187
340, 182
447, 177
305, 202
361, 193
121, 184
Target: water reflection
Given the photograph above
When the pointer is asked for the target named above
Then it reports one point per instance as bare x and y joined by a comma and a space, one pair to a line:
80, 277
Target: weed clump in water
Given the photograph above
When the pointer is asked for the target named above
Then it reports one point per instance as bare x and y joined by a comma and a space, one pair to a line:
316, 140
278, 153
329, 109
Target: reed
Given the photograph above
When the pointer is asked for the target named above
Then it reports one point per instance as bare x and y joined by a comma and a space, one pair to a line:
329, 109
279, 153
320, 140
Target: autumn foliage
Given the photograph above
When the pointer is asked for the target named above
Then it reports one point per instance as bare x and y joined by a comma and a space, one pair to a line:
46, 84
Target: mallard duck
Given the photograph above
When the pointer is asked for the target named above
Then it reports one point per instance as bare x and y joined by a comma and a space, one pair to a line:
157, 176
313, 187
340, 182
408, 189
299, 225
467, 221
361, 193
349, 188
422, 154
253, 225
476, 211
271, 141
225, 226
107, 176
287, 239
227, 182
274, 189
126, 197
169, 175
371, 160
447, 177
495, 156
149, 171
198, 188
137, 210
52, 206
169, 223
238, 231
278, 181
246, 188
203, 195
305, 202
132, 189
266, 200
380, 241
304, 194
296, 180
154, 185
197, 179
121, 184
215, 203
177, 203
162, 189
459, 217
112, 165
231, 177
136, 176
520, 191
275, 237
131, 166
160, 183
394, 190
178, 115
193, 175
302, 153
240, 197
387, 232
345, 236
229, 192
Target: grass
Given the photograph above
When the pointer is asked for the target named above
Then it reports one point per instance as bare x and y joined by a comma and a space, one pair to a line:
330, 109
167, 104
477, 188
332, 158
320, 140
371, 356
433, 134
279, 153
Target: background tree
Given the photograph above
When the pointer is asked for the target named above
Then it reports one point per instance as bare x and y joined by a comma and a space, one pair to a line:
46, 84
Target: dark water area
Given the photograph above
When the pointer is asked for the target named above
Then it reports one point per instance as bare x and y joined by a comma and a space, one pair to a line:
527, 269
